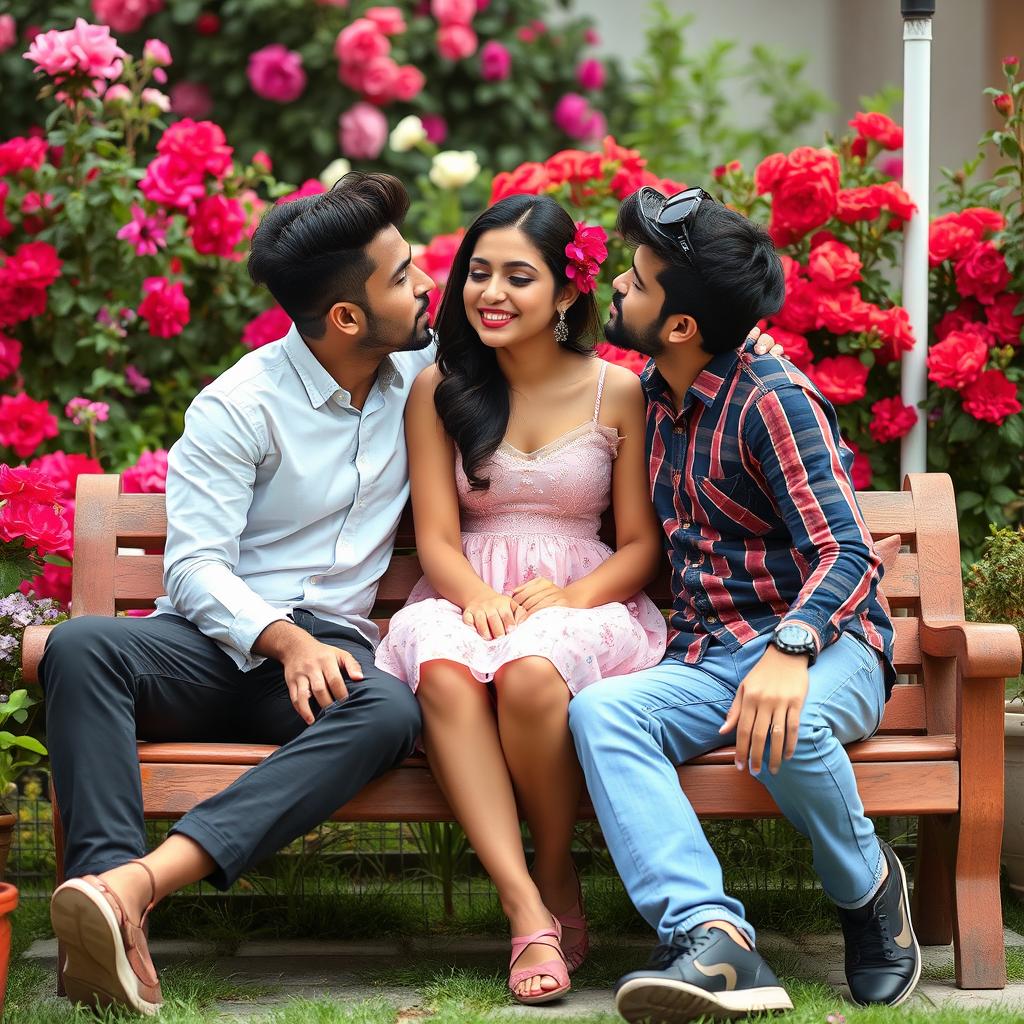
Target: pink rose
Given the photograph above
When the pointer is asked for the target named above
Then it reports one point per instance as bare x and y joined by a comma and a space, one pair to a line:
574, 115
10, 355
171, 181
41, 526
191, 99
268, 326
217, 225
25, 423
456, 41
148, 475
165, 307
8, 32
200, 143
125, 15
388, 19
453, 12
360, 42
495, 61
378, 79
276, 73
28, 484
590, 74
86, 50
157, 52
408, 83
363, 130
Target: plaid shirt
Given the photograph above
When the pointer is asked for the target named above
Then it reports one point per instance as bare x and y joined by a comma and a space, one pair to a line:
751, 482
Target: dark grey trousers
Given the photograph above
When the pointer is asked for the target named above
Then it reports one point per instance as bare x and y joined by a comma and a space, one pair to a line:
111, 681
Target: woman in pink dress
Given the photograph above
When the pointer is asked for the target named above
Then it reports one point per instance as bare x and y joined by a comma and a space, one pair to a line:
519, 439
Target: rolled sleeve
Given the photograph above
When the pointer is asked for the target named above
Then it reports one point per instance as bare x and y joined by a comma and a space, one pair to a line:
792, 436
211, 472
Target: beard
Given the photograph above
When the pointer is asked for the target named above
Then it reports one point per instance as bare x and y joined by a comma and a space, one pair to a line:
391, 336
644, 340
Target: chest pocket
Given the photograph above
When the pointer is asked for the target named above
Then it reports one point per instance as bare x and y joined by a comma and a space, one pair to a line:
736, 505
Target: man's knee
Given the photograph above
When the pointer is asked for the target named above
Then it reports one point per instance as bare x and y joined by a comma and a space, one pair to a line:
593, 709
72, 648
394, 713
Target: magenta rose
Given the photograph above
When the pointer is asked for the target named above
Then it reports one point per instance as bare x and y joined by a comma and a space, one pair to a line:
590, 74
191, 99
276, 73
495, 61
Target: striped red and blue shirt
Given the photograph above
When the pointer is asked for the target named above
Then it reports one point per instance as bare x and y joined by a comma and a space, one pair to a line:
751, 483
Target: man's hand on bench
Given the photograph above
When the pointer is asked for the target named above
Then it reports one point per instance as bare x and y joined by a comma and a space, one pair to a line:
311, 669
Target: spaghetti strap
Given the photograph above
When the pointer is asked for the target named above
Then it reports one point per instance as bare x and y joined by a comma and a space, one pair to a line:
600, 389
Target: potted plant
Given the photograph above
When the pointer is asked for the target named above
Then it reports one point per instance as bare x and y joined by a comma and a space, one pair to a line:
995, 593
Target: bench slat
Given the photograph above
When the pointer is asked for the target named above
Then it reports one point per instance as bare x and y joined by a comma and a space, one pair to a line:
409, 793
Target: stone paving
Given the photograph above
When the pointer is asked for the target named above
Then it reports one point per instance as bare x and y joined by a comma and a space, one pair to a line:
345, 970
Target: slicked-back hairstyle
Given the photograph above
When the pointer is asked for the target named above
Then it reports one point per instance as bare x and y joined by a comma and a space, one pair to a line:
737, 279
311, 252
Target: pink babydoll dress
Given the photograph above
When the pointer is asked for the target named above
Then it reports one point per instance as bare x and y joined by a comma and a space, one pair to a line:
539, 517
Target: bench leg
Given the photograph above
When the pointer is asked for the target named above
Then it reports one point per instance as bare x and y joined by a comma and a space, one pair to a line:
978, 913
932, 904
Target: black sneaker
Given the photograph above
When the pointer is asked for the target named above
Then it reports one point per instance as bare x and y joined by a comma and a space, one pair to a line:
704, 974
883, 959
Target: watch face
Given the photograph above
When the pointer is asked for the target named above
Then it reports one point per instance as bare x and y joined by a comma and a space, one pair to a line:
795, 636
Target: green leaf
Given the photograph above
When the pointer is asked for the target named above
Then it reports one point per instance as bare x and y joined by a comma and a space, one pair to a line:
966, 500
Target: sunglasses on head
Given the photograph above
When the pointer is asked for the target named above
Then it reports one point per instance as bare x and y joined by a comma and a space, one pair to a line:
669, 217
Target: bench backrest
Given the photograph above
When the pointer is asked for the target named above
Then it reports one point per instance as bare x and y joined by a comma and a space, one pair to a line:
926, 579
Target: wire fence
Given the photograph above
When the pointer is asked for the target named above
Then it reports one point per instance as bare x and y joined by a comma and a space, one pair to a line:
429, 867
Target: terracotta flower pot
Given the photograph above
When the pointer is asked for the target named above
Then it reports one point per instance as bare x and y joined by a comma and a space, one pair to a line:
8, 902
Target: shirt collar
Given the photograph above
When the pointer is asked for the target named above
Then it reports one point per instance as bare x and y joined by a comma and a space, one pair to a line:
706, 386
319, 384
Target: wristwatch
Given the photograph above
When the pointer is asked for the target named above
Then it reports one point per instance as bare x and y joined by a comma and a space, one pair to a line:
795, 639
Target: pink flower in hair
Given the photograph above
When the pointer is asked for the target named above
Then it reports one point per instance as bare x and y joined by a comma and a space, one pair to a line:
586, 252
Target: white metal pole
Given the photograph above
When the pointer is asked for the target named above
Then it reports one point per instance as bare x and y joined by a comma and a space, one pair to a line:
917, 46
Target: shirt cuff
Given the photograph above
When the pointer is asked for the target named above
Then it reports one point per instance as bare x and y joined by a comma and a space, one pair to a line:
246, 628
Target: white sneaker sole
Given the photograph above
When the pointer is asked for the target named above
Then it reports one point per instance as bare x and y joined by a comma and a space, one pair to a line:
96, 969
662, 1001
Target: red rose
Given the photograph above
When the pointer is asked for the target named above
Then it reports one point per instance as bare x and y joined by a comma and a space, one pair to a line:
165, 307
200, 144
797, 349
217, 225
949, 239
573, 165
982, 220
893, 326
841, 379
861, 475
879, 128
892, 419
833, 266
1004, 322
268, 326
40, 524
63, 470
22, 154
527, 179
23, 483
804, 195
634, 361
957, 361
956, 319
769, 172
10, 355
25, 423
853, 204
800, 310
844, 312
982, 272
1003, 103
992, 397
896, 200
172, 181
435, 260
207, 24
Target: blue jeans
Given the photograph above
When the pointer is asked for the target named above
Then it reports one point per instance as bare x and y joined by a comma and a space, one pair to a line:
631, 732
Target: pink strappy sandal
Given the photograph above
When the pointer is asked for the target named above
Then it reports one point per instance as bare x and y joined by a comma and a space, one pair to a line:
574, 917
553, 968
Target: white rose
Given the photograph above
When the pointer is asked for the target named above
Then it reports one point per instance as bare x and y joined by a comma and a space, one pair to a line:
158, 99
454, 168
333, 171
407, 133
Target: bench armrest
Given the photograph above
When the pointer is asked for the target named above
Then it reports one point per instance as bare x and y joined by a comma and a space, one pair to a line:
32, 651
985, 650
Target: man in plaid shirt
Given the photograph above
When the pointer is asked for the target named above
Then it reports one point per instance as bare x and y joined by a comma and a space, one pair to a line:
778, 642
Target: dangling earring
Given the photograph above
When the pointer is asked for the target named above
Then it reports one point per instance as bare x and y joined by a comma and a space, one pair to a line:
561, 328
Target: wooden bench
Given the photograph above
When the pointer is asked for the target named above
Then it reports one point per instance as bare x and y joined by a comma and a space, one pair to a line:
939, 753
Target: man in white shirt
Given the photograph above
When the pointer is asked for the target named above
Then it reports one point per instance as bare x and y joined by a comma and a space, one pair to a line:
283, 499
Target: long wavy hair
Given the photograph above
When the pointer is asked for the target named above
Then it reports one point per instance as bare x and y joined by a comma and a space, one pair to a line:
472, 396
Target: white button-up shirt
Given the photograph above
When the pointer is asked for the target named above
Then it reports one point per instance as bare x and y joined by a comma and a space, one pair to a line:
281, 495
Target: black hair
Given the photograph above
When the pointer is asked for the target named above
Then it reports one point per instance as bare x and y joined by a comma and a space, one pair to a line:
736, 278
311, 252
472, 396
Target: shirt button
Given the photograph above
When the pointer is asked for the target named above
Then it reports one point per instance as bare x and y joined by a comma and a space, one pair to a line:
314, 579
711, 620
679, 430
685, 526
